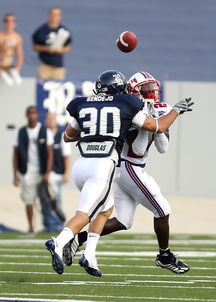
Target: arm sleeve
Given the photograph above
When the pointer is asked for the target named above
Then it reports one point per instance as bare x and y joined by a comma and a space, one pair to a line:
74, 124
139, 118
15, 138
50, 138
161, 142
66, 148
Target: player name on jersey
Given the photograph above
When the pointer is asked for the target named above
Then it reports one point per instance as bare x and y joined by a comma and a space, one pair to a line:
103, 98
98, 149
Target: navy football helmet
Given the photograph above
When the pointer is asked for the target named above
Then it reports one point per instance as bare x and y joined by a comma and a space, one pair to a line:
111, 82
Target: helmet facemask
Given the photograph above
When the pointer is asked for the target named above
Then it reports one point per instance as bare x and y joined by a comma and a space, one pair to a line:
150, 92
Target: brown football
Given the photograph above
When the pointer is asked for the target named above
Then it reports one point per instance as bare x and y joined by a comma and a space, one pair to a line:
127, 41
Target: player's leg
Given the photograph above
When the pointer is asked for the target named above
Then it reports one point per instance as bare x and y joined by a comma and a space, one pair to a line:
125, 209
88, 259
94, 179
161, 228
149, 195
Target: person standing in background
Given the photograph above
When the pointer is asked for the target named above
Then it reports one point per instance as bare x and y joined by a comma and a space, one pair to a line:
52, 40
32, 159
10, 48
53, 216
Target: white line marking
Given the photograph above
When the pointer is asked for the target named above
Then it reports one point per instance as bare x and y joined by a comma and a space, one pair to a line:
122, 275
137, 254
102, 265
118, 241
175, 276
5, 299
154, 242
120, 297
127, 282
141, 258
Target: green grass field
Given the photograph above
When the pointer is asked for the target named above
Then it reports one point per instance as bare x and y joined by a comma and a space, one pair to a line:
127, 264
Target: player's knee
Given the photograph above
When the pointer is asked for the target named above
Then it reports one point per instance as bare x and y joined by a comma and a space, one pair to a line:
125, 225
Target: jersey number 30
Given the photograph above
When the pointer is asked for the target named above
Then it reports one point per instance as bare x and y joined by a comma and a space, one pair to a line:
99, 123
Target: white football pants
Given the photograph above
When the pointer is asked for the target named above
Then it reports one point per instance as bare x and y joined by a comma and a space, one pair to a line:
134, 186
94, 178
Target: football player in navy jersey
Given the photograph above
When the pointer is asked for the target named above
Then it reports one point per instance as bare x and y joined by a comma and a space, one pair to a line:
101, 123
133, 185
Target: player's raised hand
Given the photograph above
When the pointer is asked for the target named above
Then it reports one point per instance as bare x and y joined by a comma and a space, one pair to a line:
183, 106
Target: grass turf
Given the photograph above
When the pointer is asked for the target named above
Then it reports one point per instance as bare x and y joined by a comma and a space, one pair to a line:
127, 263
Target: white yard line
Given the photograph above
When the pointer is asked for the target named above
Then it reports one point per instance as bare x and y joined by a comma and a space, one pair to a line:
5, 299
102, 265
117, 241
81, 274
123, 275
141, 258
130, 254
113, 297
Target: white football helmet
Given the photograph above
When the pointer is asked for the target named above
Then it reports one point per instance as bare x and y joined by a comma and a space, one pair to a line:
145, 86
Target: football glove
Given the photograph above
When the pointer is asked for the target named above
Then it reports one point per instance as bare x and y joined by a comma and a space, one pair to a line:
183, 106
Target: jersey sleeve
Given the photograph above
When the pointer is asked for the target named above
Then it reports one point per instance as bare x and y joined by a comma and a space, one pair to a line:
139, 118
161, 142
36, 37
50, 138
74, 124
72, 107
135, 102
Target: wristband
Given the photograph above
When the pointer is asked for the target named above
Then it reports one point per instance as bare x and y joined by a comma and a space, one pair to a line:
68, 135
156, 121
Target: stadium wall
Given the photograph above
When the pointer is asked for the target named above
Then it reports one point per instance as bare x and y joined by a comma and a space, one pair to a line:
186, 169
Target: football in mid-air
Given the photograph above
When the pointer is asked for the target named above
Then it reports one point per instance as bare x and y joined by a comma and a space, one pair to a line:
127, 41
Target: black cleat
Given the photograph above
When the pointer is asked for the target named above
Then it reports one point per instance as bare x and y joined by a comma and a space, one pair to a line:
171, 263
57, 263
69, 251
94, 271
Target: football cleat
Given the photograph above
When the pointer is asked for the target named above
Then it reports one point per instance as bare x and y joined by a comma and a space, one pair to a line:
57, 262
91, 268
69, 251
171, 263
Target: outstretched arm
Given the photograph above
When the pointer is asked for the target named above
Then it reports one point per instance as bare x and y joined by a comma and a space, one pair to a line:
164, 122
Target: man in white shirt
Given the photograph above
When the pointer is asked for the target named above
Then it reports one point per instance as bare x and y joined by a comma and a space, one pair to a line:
32, 159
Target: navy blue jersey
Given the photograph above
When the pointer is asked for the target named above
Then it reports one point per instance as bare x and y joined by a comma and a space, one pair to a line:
45, 35
107, 116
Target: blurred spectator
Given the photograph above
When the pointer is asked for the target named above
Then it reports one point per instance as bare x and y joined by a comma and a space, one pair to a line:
32, 159
10, 47
53, 216
51, 41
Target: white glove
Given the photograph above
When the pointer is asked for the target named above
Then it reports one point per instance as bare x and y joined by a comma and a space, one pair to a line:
183, 106
153, 112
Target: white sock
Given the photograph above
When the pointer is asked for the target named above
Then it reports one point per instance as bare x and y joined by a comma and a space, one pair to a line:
91, 244
64, 237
